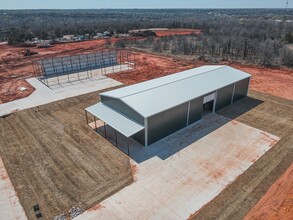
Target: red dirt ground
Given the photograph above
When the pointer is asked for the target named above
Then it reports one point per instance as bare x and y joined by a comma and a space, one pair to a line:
149, 66
274, 81
169, 32
277, 203
277, 82
9, 89
14, 64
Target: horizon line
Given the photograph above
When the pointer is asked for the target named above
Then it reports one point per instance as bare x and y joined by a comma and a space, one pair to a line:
132, 8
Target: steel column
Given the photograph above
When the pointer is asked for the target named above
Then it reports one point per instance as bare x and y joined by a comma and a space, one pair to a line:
87, 121
128, 147
105, 130
95, 123
116, 141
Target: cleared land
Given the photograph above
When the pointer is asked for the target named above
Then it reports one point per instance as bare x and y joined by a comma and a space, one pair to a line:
277, 203
13, 63
273, 115
55, 160
180, 31
275, 81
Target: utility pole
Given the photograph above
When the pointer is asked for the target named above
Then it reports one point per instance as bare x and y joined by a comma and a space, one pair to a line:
287, 4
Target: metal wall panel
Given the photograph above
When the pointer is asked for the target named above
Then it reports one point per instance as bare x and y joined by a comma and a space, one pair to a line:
139, 137
224, 97
195, 110
167, 122
241, 89
122, 108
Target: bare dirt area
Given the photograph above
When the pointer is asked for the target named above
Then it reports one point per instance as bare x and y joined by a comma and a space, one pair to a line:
9, 89
275, 116
55, 160
278, 82
149, 66
274, 81
277, 203
180, 31
13, 65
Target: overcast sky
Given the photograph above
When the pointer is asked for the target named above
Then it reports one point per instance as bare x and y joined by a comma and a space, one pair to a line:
94, 4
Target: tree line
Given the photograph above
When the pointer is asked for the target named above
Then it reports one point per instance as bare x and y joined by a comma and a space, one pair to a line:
253, 41
50, 24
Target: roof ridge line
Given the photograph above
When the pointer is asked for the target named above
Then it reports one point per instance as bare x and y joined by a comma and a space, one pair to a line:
221, 66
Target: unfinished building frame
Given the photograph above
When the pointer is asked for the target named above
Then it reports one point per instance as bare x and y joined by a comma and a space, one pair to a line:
60, 70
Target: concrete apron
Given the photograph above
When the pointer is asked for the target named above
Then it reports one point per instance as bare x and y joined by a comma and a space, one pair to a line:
180, 184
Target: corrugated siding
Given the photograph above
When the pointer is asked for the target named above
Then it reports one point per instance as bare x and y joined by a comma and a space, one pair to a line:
167, 122
241, 89
121, 107
195, 111
224, 97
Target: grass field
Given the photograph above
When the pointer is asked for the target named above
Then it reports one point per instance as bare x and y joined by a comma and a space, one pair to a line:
273, 115
55, 160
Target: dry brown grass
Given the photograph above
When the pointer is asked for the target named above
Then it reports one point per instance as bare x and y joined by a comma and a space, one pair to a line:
55, 160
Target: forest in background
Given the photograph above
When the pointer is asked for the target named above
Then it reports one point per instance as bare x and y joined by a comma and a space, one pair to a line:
252, 35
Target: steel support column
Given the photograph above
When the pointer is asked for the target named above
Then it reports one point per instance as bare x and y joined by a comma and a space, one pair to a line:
87, 121
128, 147
95, 123
105, 130
116, 141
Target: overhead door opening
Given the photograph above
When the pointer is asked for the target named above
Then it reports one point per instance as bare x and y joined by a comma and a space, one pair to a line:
208, 108
208, 104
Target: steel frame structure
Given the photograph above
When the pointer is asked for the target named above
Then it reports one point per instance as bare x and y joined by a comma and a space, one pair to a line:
79, 67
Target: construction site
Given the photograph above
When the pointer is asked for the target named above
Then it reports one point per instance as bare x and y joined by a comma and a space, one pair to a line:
104, 133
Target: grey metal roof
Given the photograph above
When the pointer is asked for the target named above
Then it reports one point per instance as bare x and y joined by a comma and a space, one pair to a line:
154, 96
117, 121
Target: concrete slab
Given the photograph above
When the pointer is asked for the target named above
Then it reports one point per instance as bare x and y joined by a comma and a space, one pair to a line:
44, 95
182, 183
10, 207
167, 146
63, 81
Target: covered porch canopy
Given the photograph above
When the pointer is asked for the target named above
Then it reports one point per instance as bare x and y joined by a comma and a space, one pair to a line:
119, 122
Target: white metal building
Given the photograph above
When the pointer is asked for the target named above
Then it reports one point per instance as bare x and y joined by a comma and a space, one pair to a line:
152, 110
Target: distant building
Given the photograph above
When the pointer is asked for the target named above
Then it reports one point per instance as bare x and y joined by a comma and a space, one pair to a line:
68, 37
